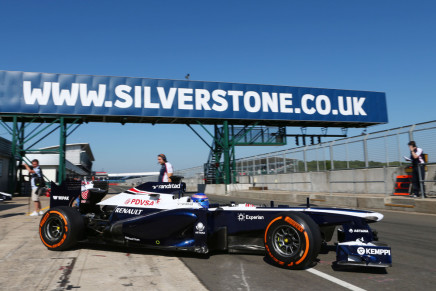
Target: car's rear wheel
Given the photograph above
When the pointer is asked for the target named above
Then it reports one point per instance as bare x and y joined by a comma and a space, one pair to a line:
60, 228
292, 240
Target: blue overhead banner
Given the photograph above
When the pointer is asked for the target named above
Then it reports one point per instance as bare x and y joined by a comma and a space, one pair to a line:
82, 95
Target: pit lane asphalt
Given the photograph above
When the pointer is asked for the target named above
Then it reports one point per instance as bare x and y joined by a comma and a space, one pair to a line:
26, 264
412, 238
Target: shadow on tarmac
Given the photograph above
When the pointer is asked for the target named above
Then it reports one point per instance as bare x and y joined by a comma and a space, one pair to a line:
137, 250
12, 214
357, 269
7, 205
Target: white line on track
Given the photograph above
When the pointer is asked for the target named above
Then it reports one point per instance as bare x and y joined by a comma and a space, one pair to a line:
335, 280
244, 280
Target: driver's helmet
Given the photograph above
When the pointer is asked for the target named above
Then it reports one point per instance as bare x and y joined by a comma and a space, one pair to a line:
201, 198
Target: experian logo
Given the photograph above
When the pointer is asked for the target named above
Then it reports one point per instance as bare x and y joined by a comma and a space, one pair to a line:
243, 217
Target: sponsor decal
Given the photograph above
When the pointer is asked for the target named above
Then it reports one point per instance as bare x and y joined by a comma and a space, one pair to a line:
358, 230
294, 224
244, 217
158, 242
200, 228
142, 202
186, 203
60, 197
132, 238
249, 205
85, 194
130, 211
373, 251
169, 186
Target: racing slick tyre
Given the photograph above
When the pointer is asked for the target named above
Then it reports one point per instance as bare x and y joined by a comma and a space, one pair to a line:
61, 227
292, 240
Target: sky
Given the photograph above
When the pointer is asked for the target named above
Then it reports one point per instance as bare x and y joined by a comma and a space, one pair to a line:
386, 46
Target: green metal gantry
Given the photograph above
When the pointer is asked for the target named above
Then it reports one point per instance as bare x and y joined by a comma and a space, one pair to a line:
221, 165
23, 142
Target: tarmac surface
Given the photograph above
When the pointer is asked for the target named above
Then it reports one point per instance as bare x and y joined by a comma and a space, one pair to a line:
25, 264
411, 236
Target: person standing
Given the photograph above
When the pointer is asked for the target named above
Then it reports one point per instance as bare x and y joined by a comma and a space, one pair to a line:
166, 170
417, 158
35, 172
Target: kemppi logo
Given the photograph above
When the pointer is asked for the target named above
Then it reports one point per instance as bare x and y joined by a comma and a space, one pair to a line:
373, 251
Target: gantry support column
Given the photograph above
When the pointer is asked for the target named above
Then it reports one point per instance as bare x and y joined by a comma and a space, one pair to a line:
12, 187
62, 149
226, 152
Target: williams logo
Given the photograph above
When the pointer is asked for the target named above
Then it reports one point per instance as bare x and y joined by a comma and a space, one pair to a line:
200, 228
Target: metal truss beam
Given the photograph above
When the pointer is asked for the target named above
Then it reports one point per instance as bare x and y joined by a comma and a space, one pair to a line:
20, 140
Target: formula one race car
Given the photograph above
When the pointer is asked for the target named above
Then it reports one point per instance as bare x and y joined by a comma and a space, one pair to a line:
158, 216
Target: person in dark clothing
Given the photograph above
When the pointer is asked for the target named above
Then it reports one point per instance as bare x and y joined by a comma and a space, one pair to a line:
35, 172
418, 173
166, 170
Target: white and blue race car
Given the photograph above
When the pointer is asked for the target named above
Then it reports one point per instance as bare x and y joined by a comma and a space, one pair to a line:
158, 216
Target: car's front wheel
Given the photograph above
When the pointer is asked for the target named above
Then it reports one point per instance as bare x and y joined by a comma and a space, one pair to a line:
292, 240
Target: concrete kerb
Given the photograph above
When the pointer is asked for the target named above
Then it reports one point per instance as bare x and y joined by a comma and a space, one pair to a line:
364, 201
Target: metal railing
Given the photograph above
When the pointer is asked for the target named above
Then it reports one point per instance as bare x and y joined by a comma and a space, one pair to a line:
383, 149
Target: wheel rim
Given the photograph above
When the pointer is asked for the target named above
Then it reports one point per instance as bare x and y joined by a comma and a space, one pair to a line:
54, 228
286, 241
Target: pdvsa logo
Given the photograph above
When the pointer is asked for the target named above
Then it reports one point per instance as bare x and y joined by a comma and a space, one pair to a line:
127, 201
